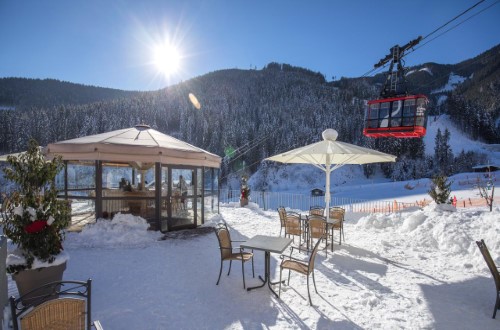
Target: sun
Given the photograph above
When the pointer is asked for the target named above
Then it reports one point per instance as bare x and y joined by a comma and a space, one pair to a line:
167, 59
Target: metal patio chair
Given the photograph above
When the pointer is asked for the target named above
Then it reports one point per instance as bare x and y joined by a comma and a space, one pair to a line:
316, 210
282, 214
338, 213
300, 266
293, 226
227, 251
494, 271
317, 228
56, 305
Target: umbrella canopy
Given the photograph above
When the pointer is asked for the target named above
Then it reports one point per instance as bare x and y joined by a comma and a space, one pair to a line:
330, 154
139, 145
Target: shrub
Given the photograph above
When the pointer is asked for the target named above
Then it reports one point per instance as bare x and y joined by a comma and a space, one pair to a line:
440, 189
34, 218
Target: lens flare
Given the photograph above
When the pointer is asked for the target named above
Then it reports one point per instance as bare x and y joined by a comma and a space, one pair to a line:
194, 101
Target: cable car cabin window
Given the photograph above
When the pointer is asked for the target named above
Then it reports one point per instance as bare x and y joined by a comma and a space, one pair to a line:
373, 116
421, 105
384, 114
396, 113
409, 112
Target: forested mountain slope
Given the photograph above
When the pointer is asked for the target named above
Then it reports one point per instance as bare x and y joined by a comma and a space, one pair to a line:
23, 93
247, 115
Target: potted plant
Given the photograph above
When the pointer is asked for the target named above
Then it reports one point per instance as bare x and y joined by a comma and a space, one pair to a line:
35, 219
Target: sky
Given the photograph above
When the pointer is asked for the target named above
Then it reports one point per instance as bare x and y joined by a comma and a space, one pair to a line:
112, 43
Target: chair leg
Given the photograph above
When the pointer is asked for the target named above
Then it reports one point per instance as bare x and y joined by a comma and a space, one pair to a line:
326, 246
289, 277
279, 291
253, 272
497, 305
314, 281
309, 293
243, 272
230, 263
341, 233
333, 239
220, 272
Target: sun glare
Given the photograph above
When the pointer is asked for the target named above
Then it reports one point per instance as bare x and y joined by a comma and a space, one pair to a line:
167, 59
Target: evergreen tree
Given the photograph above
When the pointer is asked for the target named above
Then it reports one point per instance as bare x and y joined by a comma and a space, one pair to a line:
443, 154
440, 189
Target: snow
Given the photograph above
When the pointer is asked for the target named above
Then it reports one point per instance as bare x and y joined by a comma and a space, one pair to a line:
453, 81
458, 141
424, 69
416, 269
428, 70
15, 257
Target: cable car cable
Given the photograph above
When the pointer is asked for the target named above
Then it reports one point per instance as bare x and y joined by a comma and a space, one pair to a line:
439, 28
251, 144
453, 27
463, 13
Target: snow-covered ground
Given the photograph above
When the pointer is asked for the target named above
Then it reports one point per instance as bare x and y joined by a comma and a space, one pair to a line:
412, 270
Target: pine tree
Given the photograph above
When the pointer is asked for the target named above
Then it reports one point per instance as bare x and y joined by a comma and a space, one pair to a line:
440, 189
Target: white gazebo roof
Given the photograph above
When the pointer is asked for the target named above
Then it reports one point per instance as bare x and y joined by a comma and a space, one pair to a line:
140, 144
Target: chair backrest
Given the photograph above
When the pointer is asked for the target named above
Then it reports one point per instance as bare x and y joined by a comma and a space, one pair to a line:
312, 258
224, 238
282, 214
316, 210
61, 304
337, 213
489, 261
317, 226
292, 224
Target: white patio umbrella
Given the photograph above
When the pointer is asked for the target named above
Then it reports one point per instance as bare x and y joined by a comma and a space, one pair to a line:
329, 155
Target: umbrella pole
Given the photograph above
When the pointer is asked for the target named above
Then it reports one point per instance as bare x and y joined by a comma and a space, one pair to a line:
327, 186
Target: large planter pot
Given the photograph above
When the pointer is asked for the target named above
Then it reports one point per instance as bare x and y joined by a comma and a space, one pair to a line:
243, 201
28, 280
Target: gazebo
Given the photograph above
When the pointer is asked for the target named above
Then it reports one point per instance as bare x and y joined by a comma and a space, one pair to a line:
138, 170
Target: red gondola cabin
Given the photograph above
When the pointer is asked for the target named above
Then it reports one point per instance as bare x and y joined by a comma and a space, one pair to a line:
400, 117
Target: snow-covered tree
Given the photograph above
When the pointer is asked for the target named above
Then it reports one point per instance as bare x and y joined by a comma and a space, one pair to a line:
440, 189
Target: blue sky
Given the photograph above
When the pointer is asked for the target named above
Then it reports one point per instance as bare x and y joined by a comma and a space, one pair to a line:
109, 43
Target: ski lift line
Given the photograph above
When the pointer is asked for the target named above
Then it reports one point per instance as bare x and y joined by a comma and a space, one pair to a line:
241, 169
375, 69
252, 144
439, 28
454, 18
244, 153
250, 148
453, 27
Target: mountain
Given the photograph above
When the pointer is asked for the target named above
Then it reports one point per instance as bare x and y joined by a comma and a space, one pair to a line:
22, 92
247, 115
